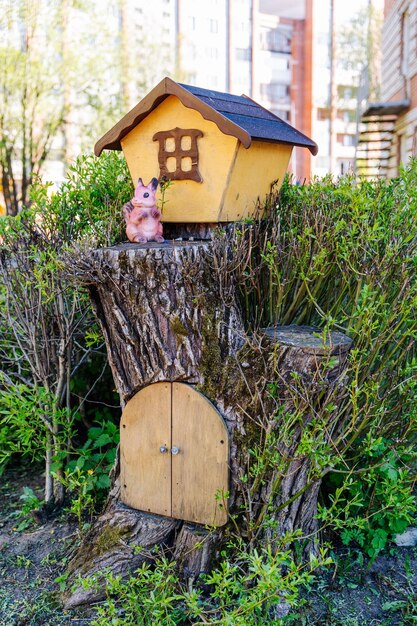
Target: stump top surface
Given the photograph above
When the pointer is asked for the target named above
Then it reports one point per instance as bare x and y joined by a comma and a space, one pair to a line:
169, 244
309, 338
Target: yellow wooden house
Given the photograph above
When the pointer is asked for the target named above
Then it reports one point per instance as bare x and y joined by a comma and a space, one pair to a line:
222, 152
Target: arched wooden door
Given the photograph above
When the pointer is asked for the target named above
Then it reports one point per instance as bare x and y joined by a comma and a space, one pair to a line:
174, 454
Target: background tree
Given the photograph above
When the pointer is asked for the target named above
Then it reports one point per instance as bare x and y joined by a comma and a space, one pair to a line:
65, 70
31, 109
358, 50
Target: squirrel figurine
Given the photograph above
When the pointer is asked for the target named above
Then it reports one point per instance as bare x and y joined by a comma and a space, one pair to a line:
142, 217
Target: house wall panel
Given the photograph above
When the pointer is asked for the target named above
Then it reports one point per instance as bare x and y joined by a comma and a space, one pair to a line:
187, 200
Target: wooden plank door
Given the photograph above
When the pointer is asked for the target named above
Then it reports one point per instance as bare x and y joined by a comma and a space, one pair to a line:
145, 470
200, 468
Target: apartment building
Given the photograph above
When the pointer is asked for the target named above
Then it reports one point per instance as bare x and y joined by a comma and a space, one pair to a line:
251, 47
225, 45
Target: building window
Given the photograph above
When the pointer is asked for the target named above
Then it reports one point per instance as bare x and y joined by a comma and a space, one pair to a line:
344, 167
243, 54
191, 51
346, 140
402, 154
323, 114
399, 151
178, 154
322, 162
346, 115
275, 91
212, 53
214, 26
276, 41
414, 146
346, 92
283, 115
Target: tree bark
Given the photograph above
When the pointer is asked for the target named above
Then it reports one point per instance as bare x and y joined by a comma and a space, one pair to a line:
168, 313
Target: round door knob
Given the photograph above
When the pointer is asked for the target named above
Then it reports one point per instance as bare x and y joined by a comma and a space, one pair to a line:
163, 449
175, 450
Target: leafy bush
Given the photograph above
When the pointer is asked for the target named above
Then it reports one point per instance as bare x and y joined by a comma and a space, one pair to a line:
46, 320
253, 589
85, 470
24, 414
342, 255
88, 202
86, 475
370, 506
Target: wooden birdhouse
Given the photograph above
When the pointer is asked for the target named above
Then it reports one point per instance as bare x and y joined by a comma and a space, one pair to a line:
223, 152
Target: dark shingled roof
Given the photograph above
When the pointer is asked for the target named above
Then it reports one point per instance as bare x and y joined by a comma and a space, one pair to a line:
252, 117
238, 116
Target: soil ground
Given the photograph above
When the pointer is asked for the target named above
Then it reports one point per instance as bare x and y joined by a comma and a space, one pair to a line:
33, 557
356, 593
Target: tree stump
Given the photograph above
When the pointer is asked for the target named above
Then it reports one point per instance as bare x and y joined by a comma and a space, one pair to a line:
169, 314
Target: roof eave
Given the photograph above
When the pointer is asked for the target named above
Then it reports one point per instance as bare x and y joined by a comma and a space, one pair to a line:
313, 149
387, 108
112, 139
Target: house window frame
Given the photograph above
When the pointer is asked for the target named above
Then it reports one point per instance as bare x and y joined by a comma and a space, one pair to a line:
179, 153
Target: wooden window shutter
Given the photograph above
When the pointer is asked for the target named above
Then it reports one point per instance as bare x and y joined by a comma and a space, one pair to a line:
179, 153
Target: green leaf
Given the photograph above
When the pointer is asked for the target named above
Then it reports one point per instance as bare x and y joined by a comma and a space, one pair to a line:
94, 432
80, 462
103, 481
103, 440
394, 605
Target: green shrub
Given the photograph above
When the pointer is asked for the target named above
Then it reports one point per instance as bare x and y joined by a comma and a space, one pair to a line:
86, 475
24, 414
342, 255
46, 327
244, 591
375, 500
89, 201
